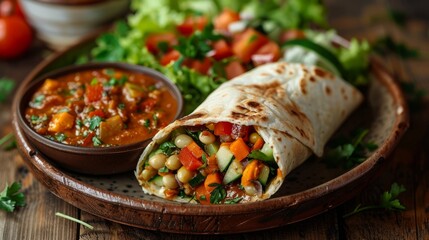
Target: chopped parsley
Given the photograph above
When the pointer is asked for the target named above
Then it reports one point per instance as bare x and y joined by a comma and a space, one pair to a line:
11, 197
94, 122
38, 100
233, 200
6, 87
96, 141
218, 194
197, 180
60, 137
168, 148
388, 201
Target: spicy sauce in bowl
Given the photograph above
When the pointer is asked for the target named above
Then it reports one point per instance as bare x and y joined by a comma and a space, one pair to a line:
97, 118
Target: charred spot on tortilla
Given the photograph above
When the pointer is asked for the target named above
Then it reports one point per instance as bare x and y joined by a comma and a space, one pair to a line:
303, 86
237, 115
279, 139
192, 116
280, 69
301, 132
323, 74
253, 104
328, 90
312, 79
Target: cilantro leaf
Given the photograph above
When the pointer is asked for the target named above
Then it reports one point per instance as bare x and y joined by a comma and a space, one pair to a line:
6, 87
388, 201
168, 148
197, 180
96, 141
10, 197
94, 122
349, 152
387, 44
218, 194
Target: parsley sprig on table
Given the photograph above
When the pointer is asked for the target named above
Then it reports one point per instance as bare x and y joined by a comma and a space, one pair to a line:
349, 152
11, 197
388, 201
6, 87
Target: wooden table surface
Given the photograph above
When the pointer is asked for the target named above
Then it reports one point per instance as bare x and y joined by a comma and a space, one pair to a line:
408, 165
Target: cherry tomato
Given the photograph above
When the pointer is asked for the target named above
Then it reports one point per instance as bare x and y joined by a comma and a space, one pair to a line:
221, 50
291, 34
153, 41
173, 55
269, 52
234, 69
248, 44
201, 66
225, 18
15, 33
192, 24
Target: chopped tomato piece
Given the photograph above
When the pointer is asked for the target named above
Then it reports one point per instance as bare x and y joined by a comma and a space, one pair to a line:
221, 50
201, 66
240, 131
269, 52
223, 128
94, 92
195, 149
148, 104
202, 195
212, 179
87, 141
291, 34
240, 149
97, 112
226, 17
171, 56
153, 41
188, 160
234, 69
192, 24
248, 44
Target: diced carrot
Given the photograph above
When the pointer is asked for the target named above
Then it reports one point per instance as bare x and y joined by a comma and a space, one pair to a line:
251, 172
202, 195
60, 122
195, 149
258, 144
240, 149
211, 179
211, 165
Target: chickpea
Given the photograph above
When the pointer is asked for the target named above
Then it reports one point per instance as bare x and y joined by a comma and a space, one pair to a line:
182, 140
169, 181
148, 173
157, 161
173, 162
254, 137
206, 137
184, 175
250, 190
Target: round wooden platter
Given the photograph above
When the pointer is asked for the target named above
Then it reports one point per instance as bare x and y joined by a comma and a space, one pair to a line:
309, 190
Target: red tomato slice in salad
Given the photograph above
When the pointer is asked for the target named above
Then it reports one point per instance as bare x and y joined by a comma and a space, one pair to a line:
269, 52
192, 24
226, 17
234, 69
173, 55
153, 41
248, 44
221, 50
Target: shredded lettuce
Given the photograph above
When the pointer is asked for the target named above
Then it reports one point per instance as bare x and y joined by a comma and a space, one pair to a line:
355, 60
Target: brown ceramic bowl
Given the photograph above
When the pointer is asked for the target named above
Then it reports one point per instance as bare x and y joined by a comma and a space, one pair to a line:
87, 160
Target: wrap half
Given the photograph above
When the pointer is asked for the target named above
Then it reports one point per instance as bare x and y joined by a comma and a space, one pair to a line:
271, 120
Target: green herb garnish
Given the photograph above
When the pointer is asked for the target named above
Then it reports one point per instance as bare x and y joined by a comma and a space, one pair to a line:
388, 201
6, 87
387, 44
94, 122
10, 197
9, 138
38, 100
218, 194
60, 137
168, 148
233, 201
96, 141
74, 220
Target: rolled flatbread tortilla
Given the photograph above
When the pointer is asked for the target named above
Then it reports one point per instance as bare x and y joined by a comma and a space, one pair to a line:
242, 141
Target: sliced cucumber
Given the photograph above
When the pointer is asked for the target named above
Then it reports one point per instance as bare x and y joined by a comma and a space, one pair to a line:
264, 174
235, 170
157, 180
328, 57
224, 157
211, 148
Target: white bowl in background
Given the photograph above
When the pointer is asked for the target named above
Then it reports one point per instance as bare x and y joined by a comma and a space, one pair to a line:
62, 23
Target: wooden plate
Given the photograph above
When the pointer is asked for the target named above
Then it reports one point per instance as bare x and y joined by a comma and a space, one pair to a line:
309, 190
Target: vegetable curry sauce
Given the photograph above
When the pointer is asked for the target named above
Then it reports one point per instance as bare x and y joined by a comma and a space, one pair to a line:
101, 108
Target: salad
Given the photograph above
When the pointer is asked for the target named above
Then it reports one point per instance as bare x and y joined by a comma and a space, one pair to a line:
200, 44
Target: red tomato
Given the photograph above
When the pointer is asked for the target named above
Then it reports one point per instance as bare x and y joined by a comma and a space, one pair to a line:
234, 69
148, 104
188, 160
88, 139
291, 34
97, 112
248, 44
269, 52
94, 92
191, 24
201, 66
15, 33
223, 128
173, 55
221, 50
225, 18
153, 41
240, 131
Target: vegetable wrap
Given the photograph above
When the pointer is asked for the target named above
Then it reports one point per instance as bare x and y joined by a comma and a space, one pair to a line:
242, 141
